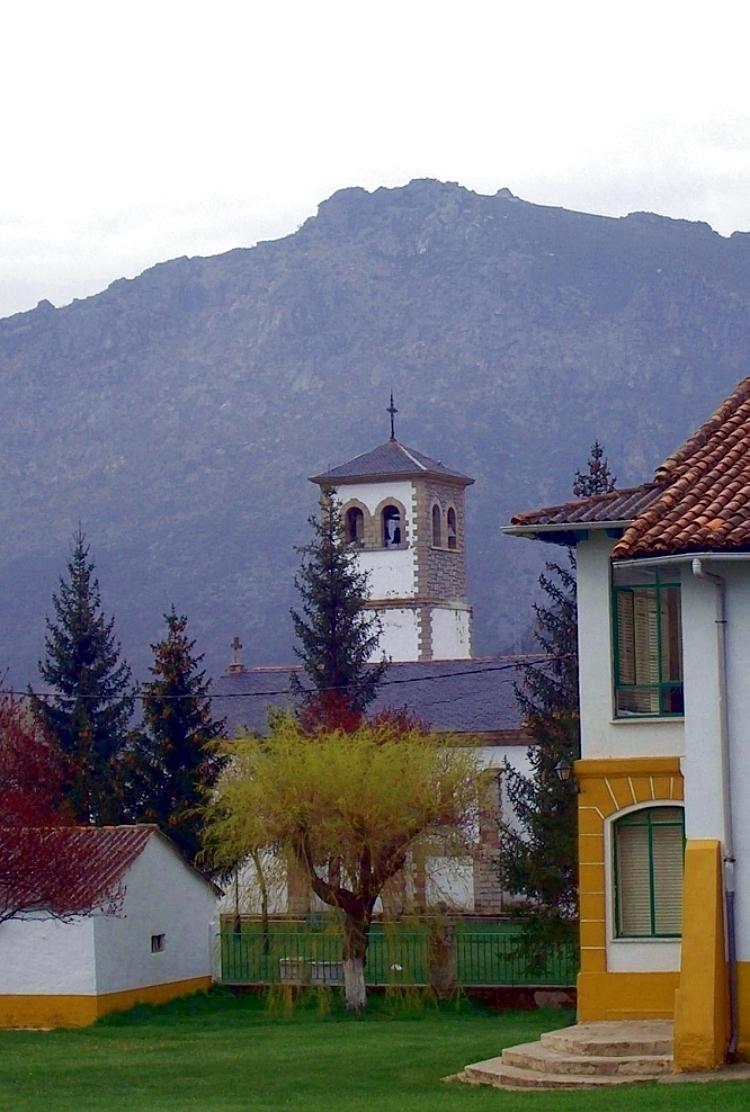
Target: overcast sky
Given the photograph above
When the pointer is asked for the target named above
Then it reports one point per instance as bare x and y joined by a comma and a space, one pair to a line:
134, 133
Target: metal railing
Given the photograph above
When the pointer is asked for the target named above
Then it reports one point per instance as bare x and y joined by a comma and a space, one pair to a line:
394, 957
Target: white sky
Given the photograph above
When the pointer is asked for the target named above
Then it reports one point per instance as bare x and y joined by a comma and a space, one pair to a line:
132, 133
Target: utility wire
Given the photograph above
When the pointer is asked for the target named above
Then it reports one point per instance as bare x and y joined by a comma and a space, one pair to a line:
142, 693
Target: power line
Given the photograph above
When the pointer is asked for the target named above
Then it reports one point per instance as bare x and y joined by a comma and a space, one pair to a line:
142, 693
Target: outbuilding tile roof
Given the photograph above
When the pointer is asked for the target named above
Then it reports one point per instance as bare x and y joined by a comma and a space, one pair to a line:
92, 862
389, 460
704, 500
452, 696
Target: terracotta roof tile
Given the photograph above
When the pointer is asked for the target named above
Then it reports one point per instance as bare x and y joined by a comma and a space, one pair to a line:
704, 500
619, 505
93, 861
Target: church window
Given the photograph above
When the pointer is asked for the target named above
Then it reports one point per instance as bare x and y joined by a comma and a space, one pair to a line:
391, 526
437, 526
451, 528
354, 521
648, 850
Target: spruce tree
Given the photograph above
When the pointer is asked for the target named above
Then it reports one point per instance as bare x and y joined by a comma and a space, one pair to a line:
599, 479
539, 848
172, 764
336, 632
92, 695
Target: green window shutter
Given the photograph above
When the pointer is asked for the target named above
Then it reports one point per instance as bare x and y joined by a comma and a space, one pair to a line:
634, 900
648, 847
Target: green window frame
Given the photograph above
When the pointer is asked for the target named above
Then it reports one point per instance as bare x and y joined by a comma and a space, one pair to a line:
648, 849
647, 641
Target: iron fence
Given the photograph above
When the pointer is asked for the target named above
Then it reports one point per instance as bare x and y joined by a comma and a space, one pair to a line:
395, 956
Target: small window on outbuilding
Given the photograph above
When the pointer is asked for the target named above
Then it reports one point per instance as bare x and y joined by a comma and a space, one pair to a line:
158, 942
437, 527
451, 530
391, 527
355, 525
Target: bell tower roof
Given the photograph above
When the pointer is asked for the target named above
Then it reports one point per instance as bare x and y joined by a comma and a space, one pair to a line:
391, 460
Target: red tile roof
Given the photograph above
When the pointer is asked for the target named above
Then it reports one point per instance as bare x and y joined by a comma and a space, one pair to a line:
67, 870
704, 504
619, 505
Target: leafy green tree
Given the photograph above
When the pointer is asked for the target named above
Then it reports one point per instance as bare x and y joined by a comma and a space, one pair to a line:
92, 695
365, 797
172, 764
337, 633
539, 859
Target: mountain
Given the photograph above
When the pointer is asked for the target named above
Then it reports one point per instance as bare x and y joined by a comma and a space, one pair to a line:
177, 415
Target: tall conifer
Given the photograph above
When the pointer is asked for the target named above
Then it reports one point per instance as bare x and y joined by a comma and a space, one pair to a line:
539, 849
172, 765
336, 632
92, 697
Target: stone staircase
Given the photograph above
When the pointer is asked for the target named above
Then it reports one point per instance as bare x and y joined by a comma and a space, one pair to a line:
589, 1055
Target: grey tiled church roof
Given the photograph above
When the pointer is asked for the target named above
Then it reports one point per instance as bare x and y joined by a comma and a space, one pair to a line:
461, 696
389, 460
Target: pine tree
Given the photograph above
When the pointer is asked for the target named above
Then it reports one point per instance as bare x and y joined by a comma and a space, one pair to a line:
92, 694
599, 479
539, 849
336, 632
172, 764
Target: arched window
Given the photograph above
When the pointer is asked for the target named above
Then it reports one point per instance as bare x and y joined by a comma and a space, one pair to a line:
451, 528
391, 526
437, 526
648, 852
354, 523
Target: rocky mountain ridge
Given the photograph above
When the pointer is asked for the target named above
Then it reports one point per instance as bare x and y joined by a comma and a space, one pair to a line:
177, 414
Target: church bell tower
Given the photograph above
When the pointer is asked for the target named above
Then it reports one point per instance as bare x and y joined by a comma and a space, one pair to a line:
405, 512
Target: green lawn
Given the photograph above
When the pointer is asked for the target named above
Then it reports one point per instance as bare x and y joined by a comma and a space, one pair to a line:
222, 1053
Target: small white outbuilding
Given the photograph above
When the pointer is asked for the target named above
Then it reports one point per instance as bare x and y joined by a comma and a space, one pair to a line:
147, 939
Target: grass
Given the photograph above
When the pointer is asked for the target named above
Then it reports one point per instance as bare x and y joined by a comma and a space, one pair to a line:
220, 1053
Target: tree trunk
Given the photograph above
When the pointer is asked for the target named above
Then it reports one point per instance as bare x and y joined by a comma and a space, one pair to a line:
356, 931
263, 887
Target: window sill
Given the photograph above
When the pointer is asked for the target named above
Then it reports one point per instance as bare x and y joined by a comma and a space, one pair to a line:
659, 939
639, 719
443, 548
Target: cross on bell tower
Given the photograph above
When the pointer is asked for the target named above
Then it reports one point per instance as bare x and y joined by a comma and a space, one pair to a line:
393, 411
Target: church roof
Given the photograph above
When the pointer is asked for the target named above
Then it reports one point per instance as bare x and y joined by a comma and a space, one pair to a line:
452, 696
388, 461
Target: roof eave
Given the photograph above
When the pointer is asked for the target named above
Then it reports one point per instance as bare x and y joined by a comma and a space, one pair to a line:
389, 476
577, 530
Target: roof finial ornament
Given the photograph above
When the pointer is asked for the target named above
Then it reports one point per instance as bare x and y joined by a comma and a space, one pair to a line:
393, 411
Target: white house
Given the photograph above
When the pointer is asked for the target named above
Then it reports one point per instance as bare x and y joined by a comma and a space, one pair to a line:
147, 939
664, 779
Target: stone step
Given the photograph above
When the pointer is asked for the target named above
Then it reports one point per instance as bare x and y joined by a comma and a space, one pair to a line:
494, 1071
546, 1059
629, 1038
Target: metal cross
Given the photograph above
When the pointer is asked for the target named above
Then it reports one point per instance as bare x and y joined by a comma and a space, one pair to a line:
236, 646
393, 411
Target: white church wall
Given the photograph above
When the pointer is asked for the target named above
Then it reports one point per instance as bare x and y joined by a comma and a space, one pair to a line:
400, 638
450, 880
392, 571
451, 633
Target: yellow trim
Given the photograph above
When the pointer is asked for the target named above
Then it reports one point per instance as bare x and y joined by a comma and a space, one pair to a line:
743, 1008
79, 1011
608, 786
627, 766
604, 995
701, 1017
